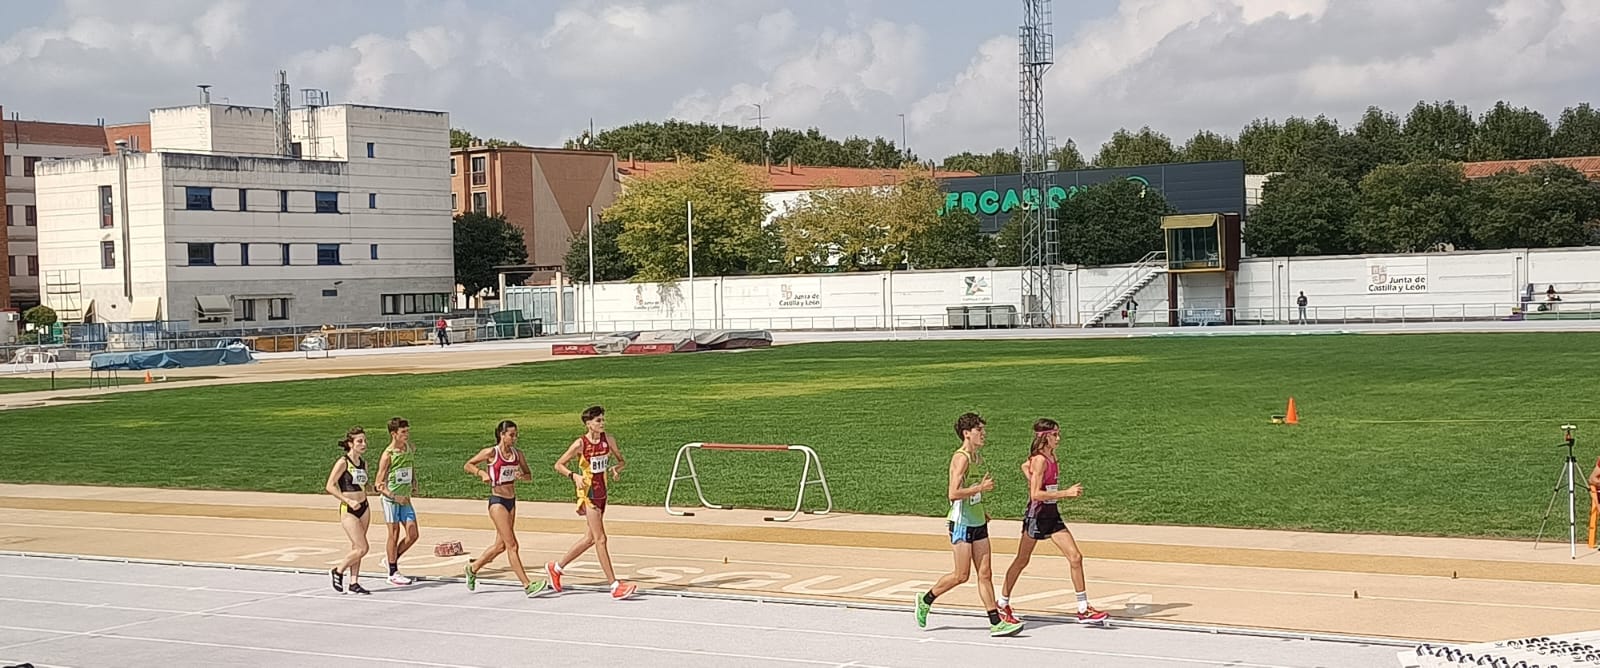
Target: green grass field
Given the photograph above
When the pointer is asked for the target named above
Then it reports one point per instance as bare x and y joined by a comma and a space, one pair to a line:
1417, 434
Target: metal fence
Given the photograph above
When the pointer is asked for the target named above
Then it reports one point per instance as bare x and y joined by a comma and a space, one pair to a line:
78, 341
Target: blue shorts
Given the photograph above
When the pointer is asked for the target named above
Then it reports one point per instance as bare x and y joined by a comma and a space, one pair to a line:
395, 513
967, 534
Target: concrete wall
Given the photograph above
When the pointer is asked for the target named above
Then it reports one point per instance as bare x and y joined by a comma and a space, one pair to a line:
70, 234
22, 239
1487, 284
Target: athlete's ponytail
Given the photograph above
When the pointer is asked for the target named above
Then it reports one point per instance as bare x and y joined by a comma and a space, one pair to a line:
350, 437
1043, 429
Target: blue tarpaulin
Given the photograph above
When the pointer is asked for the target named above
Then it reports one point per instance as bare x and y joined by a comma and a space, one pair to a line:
171, 359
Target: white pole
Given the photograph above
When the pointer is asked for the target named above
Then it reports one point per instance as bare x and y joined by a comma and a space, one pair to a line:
589, 303
691, 269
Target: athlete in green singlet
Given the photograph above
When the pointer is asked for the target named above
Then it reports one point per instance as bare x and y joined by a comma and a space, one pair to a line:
397, 482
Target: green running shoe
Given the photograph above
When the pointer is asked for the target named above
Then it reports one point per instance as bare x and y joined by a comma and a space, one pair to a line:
1004, 628
535, 588
922, 611
472, 579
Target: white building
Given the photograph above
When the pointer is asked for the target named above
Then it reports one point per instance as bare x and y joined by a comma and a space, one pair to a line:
26, 145
212, 228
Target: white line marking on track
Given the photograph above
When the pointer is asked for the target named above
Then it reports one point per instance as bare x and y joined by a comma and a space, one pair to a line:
180, 614
120, 636
746, 627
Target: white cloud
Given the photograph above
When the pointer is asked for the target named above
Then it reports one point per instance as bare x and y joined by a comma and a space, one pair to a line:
1186, 65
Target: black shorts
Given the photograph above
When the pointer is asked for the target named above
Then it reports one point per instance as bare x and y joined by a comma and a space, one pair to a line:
1043, 524
357, 511
968, 534
509, 504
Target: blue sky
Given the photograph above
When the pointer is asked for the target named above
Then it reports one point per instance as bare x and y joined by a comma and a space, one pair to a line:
538, 71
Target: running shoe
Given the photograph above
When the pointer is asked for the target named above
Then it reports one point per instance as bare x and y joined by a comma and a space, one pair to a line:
472, 579
1092, 616
1008, 616
399, 580
555, 575
356, 588
623, 590
338, 580
1004, 628
534, 588
922, 611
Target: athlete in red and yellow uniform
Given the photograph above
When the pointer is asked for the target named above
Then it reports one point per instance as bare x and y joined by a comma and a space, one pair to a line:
598, 460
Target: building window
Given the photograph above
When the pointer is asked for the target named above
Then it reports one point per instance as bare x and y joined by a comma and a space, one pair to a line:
294, 150
480, 202
105, 207
283, 201
202, 255
327, 202
284, 248
371, 150
108, 255
197, 199
30, 215
33, 265
278, 309
11, 216
374, 250
452, 167
28, 163
372, 200
7, 160
244, 198
477, 165
453, 205
413, 304
11, 265
244, 255
244, 309
327, 254
330, 292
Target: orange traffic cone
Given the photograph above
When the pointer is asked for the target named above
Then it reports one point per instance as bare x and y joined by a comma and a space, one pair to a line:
147, 378
1293, 416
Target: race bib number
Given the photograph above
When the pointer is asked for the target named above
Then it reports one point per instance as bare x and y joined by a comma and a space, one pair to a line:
507, 475
359, 477
976, 499
599, 463
1051, 488
403, 476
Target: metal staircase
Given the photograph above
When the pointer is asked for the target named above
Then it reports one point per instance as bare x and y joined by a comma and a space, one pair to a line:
1141, 274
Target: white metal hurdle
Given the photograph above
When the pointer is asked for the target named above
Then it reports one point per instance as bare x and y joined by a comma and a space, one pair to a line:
685, 457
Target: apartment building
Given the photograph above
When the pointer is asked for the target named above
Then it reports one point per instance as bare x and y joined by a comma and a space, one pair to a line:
544, 192
241, 217
27, 144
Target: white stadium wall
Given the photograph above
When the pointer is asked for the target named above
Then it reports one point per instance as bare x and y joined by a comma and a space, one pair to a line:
1471, 285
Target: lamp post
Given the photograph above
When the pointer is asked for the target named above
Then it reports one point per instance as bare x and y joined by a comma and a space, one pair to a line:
589, 303
691, 267
905, 153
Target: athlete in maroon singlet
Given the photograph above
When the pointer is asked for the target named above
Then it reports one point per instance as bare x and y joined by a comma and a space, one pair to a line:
1042, 520
594, 450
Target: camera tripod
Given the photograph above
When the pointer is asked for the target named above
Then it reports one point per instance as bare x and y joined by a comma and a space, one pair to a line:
1571, 473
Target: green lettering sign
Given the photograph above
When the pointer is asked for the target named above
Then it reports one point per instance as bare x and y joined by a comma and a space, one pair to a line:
991, 202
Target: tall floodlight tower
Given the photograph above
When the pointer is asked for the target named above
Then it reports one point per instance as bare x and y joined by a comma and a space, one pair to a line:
1036, 44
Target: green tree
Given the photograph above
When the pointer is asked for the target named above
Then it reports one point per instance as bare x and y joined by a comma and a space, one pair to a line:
1550, 205
1008, 243
1577, 133
1066, 156
728, 211
1206, 145
1111, 223
1261, 147
460, 138
1130, 149
610, 264
955, 240
483, 242
1412, 208
850, 229
1439, 131
1001, 161
1303, 213
1511, 133
39, 316
1376, 140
